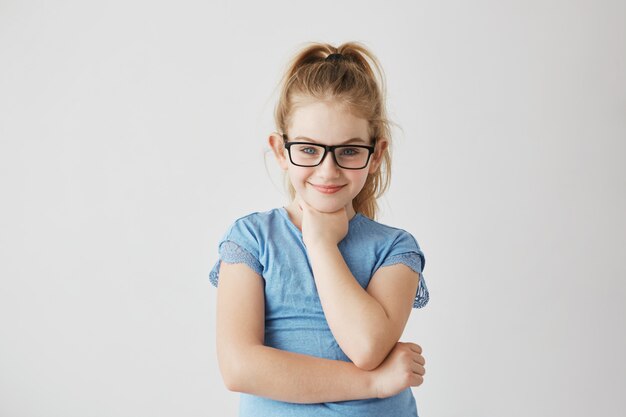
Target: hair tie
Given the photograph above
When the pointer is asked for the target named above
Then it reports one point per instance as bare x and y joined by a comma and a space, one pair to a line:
334, 57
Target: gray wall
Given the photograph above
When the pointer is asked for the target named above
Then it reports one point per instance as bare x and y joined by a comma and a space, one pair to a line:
132, 134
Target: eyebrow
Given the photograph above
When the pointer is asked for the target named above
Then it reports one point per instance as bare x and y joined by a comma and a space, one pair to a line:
314, 141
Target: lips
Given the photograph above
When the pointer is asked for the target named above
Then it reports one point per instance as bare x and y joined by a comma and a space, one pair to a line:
327, 189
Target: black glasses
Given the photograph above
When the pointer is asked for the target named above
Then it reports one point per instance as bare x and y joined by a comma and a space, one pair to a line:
307, 154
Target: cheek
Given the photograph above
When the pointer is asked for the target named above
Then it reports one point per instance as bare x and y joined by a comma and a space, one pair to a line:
359, 180
297, 177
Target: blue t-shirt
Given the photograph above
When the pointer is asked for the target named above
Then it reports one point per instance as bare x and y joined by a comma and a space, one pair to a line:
271, 245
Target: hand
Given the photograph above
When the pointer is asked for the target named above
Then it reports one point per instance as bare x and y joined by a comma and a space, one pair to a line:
403, 368
323, 228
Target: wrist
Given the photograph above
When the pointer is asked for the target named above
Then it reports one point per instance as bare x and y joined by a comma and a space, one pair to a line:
318, 244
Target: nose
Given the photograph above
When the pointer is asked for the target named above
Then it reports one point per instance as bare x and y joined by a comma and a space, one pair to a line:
328, 167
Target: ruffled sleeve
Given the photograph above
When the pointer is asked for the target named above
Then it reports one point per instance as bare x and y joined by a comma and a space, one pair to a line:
238, 245
405, 250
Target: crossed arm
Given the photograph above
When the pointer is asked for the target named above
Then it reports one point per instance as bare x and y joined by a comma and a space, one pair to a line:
248, 366
365, 328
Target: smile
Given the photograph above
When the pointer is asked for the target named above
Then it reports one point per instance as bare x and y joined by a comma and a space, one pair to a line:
327, 189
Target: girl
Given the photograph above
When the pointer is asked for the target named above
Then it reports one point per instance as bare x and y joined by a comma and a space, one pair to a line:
314, 296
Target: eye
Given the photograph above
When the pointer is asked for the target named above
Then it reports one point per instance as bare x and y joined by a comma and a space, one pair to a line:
350, 151
308, 150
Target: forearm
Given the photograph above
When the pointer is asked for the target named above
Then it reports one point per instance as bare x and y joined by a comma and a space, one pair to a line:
356, 319
293, 377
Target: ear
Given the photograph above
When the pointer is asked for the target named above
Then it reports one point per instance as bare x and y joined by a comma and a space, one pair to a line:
277, 145
377, 156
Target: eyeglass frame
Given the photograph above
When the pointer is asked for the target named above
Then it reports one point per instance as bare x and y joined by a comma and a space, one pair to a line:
329, 148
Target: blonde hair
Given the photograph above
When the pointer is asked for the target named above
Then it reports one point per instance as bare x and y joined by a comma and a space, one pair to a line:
356, 80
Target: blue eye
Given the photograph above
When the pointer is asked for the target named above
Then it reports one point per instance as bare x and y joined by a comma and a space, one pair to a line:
309, 150
350, 151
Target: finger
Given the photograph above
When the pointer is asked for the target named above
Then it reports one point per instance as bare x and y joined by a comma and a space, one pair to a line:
415, 347
419, 359
417, 380
418, 369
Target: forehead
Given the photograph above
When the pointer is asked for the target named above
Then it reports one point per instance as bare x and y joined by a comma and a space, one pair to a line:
328, 122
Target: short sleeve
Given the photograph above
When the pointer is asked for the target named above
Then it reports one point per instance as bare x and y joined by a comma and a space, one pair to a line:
238, 245
405, 250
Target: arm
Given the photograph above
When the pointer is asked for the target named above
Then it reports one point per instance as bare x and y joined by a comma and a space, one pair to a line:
366, 324
248, 366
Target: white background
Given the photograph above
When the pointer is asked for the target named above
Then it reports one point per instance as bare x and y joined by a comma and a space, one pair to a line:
133, 133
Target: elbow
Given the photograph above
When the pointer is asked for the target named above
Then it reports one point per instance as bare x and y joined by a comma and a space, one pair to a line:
231, 370
366, 364
230, 381
230, 378
368, 359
